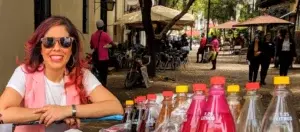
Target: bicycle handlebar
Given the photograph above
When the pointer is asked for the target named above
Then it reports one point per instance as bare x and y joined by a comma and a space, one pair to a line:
106, 118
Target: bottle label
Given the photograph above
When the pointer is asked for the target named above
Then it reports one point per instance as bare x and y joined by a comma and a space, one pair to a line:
208, 116
282, 116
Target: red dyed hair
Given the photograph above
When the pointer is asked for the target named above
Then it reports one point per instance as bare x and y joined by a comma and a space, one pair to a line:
33, 58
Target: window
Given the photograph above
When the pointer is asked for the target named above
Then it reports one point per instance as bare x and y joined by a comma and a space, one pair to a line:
85, 14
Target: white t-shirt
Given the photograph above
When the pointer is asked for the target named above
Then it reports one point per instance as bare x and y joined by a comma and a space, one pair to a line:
55, 92
286, 45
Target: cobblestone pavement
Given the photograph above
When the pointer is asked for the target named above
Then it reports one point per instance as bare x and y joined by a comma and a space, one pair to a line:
227, 65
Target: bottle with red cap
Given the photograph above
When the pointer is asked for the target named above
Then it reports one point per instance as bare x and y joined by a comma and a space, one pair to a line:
151, 114
195, 109
251, 115
216, 116
165, 112
138, 114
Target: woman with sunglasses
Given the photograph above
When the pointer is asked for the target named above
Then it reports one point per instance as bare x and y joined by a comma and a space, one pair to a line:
53, 83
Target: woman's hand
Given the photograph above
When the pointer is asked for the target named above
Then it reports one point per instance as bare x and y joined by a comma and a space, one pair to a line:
257, 53
53, 113
73, 122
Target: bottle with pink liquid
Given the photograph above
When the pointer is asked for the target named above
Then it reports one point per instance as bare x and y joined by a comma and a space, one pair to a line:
195, 109
216, 116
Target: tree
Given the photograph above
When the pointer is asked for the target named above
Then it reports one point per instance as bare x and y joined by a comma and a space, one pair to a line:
220, 10
152, 39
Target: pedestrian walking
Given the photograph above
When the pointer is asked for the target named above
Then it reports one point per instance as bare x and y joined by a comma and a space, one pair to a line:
215, 48
286, 52
201, 48
266, 56
253, 57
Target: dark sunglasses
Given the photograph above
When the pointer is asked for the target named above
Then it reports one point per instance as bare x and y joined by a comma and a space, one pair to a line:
49, 42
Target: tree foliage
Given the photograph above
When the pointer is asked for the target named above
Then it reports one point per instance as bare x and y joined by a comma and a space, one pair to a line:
220, 10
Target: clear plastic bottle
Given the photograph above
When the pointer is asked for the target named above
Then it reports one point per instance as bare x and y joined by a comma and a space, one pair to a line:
151, 114
216, 116
166, 109
138, 114
128, 115
195, 109
280, 115
233, 100
181, 97
251, 115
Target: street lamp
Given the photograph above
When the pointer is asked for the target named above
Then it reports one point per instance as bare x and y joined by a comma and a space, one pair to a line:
110, 4
107, 5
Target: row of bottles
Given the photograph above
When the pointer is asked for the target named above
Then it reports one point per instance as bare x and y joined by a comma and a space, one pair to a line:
212, 111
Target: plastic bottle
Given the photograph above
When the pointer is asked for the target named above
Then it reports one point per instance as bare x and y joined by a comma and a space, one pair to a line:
251, 115
181, 97
280, 115
138, 114
216, 116
128, 114
151, 114
166, 109
195, 109
233, 100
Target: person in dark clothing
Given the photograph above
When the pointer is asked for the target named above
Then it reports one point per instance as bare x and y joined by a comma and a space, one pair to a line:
286, 52
266, 56
253, 57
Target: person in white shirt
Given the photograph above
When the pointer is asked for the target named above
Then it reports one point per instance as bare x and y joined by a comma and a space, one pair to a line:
286, 51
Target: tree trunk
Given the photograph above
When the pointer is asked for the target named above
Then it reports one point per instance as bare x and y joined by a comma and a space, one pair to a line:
147, 23
162, 2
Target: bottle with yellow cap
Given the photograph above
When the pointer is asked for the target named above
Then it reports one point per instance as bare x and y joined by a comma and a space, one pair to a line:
280, 115
128, 114
233, 100
181, 97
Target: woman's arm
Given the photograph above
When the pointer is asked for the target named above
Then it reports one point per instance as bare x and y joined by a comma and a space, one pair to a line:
104, 103
11, 111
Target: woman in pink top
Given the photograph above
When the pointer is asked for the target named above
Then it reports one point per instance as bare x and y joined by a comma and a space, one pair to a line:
53, 83
215, 48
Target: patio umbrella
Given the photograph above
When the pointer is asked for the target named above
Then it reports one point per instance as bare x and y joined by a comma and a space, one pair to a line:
158, 14
226, 25
262, 20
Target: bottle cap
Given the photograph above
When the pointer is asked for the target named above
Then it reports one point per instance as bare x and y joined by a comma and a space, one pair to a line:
140, 99
199, 87
167, 93
182, 89
233, 88
283, 80
217, 80
252, 86
151, 96
129, 102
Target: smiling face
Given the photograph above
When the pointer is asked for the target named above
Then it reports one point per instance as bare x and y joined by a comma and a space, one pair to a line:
56, 57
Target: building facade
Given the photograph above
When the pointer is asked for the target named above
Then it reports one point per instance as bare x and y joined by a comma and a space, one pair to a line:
19, 18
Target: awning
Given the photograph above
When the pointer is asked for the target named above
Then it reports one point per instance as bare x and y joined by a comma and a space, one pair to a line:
158, 14
226, 25
262, 20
